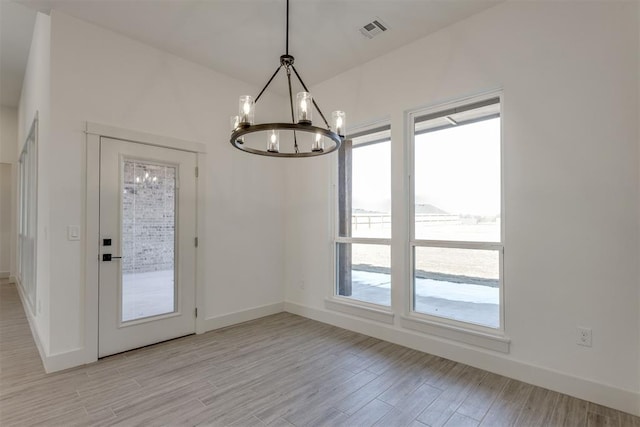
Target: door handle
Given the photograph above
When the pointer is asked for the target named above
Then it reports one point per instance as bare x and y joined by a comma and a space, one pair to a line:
108, 257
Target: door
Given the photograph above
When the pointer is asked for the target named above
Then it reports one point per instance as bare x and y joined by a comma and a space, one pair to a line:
147, 245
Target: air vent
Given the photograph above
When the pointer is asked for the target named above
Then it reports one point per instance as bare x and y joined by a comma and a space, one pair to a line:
373, 28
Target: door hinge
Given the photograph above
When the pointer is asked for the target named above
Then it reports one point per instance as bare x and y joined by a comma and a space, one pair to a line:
196, 242
196, 311
197, 172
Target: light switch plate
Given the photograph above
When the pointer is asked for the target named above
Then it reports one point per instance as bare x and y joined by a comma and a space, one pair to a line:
73, 232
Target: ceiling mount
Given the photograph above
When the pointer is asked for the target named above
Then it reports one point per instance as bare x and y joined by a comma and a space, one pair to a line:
324, 140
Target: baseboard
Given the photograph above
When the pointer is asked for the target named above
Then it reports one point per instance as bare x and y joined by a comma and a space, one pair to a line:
76, 357
217, 322
4, 275
66, 360
613, 397
32, 324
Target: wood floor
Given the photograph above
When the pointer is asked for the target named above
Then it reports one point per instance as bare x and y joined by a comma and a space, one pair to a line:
281, 370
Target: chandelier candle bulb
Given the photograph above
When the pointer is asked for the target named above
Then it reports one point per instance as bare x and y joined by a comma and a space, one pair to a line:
338, 122
246, 110
305, 107
273, 142
235, 124
318, 144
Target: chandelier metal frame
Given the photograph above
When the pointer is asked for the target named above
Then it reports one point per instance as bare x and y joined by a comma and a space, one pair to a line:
242, 129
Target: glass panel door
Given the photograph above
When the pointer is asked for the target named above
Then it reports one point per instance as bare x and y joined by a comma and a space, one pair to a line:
147, 245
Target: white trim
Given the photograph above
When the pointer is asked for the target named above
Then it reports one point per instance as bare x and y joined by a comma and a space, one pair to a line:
582, 388
94, 132
359, 309
410, 116
456, 333
92, 245
364, 240
32, 323
230, 319
201, 249
335, 301
60, 361
4, 274
144, 138
54, 362
459, 244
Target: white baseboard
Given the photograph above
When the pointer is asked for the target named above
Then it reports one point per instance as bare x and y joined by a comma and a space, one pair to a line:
613, 397
32, 324
217, 322
4, 275
76, 357
66, 360
54, 362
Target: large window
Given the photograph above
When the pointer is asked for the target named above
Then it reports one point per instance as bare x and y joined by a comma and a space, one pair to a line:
363, 244
456, 233
27, 216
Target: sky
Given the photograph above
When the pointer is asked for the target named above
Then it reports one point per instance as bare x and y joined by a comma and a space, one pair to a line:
457, 170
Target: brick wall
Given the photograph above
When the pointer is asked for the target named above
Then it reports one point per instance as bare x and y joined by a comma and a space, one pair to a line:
148, 220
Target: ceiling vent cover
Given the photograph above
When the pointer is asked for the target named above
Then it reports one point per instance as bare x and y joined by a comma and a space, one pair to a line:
373, 28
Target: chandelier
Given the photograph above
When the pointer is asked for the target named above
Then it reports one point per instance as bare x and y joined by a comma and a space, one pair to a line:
302, 138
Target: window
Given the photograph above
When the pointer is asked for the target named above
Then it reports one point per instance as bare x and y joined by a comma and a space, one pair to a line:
27, 216
363, 244
456, 232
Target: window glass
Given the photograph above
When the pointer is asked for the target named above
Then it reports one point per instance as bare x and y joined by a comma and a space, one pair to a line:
457, 183
365, 190
364, 217
457, 207
459, 284
368, 276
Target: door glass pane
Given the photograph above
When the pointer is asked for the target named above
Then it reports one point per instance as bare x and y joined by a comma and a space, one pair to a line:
148, 239
460, 284
364, 272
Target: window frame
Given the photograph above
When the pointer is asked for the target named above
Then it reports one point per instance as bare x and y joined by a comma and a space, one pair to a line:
423, 321
337, 302
26, 252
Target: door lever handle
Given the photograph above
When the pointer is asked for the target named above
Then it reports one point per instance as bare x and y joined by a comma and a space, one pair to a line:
108, 257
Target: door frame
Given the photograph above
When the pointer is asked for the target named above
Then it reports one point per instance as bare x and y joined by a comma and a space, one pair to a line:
94, 132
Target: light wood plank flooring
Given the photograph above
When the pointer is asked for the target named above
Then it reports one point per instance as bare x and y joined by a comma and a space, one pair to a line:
281, 370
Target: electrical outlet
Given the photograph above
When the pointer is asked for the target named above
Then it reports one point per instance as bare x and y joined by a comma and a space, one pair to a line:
584, 336
301, 285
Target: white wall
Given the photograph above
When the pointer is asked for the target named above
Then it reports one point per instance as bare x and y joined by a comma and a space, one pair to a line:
638, 136
8, 159
8, 134
35, 100
569, 71
102, 77
5, 219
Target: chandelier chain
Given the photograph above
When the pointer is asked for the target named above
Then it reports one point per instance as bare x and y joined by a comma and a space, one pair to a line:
287, 42
268, 83
293, 117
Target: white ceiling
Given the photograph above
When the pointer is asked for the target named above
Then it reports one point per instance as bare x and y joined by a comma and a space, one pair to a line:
245, 38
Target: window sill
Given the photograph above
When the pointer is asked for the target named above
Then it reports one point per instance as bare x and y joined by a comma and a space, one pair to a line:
355, 309
480, 339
